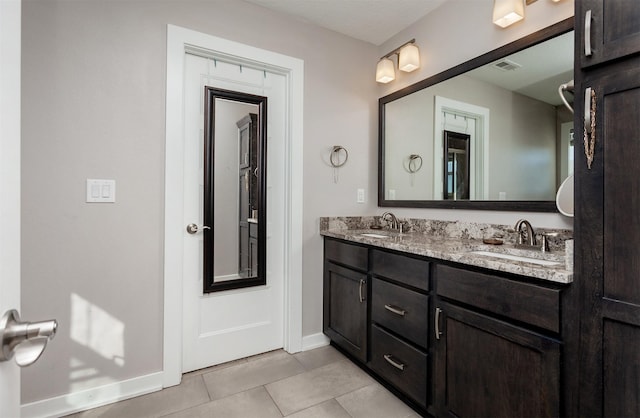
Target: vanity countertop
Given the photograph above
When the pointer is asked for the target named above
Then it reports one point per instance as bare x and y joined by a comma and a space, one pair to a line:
461, 251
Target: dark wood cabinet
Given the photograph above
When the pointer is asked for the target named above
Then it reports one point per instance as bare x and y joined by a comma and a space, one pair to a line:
345, 311
496, 346
607, 217
400, 363
247, 194
450, 340
485, 367
400, 287
607, 29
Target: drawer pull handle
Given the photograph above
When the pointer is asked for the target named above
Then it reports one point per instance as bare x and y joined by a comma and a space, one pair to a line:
360, 292
391, 361
395, 310
437, 323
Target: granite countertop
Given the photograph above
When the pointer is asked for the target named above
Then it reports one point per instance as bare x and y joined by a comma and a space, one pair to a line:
460, 250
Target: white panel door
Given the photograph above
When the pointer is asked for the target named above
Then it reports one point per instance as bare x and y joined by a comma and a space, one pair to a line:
224, 326
9, 190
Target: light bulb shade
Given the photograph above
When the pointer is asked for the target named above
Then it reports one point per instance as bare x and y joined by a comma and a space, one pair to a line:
409, 59
507, 12
385, 71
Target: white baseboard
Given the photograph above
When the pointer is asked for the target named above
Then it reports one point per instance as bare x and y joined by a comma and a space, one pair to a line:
309, 342
92, 398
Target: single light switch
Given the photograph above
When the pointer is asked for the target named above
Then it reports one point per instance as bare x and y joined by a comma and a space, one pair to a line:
101, 191
95, 191
360, 197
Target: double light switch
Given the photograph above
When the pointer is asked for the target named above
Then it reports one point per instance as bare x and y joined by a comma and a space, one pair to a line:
101, 191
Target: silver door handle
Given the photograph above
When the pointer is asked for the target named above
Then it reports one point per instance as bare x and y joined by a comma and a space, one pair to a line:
194, 228
25, 340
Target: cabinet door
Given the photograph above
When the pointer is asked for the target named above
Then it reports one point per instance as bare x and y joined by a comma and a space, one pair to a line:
488, 368
609, 28
607, 234
345, 309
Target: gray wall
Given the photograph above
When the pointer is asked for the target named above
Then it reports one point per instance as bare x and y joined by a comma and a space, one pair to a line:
93, 107
93, 98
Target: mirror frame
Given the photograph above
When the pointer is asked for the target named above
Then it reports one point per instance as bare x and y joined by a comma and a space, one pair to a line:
211, 94
535, 38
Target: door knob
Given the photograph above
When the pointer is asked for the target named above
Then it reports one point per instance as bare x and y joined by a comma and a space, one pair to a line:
25, 340
194, 228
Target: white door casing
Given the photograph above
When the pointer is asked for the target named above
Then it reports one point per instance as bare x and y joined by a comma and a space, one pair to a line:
10, 21
179, 40
479, 147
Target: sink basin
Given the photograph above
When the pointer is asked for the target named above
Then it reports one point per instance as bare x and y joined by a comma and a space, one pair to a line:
517, 258
374, 235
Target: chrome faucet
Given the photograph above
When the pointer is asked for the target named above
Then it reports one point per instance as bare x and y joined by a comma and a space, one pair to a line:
531, 236
390, 217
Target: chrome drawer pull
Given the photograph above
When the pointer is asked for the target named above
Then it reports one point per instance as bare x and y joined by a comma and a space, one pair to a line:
361, 297
395, 310
391, 361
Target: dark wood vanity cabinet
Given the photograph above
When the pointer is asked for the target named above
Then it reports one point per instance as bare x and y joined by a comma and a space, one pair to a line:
452, 341
399, 322
606, 224
345, 289
490, 360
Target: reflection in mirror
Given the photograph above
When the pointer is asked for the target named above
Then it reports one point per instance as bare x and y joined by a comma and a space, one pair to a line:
234, 190
493, 132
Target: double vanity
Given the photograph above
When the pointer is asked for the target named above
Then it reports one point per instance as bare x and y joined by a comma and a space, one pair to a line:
452, 325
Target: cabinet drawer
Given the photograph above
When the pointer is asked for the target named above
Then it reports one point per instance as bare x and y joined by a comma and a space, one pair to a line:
407, 270
530, 303
400, 364
346, 254
401, 310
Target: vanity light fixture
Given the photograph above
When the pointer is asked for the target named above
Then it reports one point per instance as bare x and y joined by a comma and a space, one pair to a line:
507, 12
408, 60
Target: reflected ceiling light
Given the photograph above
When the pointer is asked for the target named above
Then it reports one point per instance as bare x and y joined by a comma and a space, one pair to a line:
408, 60
507, 12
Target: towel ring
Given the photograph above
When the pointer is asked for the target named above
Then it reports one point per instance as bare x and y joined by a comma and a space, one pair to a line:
334, 158
412, 163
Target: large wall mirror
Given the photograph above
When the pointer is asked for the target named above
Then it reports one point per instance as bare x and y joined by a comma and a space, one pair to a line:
234, 207
491, 133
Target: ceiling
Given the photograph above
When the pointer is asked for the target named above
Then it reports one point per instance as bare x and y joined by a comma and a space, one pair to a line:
539, 71
373, 21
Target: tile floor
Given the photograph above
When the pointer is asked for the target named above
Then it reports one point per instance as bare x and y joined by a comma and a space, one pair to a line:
312, 384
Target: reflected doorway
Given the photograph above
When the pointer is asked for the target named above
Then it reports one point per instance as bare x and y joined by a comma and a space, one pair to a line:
456, 166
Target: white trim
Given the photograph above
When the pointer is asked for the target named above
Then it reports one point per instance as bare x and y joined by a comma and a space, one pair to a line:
309, 342
94, 397
10, 50
479, 148
178, 41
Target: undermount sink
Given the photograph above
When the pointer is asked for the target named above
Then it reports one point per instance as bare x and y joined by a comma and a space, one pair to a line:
370, 235
517, 258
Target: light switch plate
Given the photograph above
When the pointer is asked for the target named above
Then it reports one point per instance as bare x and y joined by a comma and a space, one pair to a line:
101, 191
360, 198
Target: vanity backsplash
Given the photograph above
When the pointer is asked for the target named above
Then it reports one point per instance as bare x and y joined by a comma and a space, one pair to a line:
447, 229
